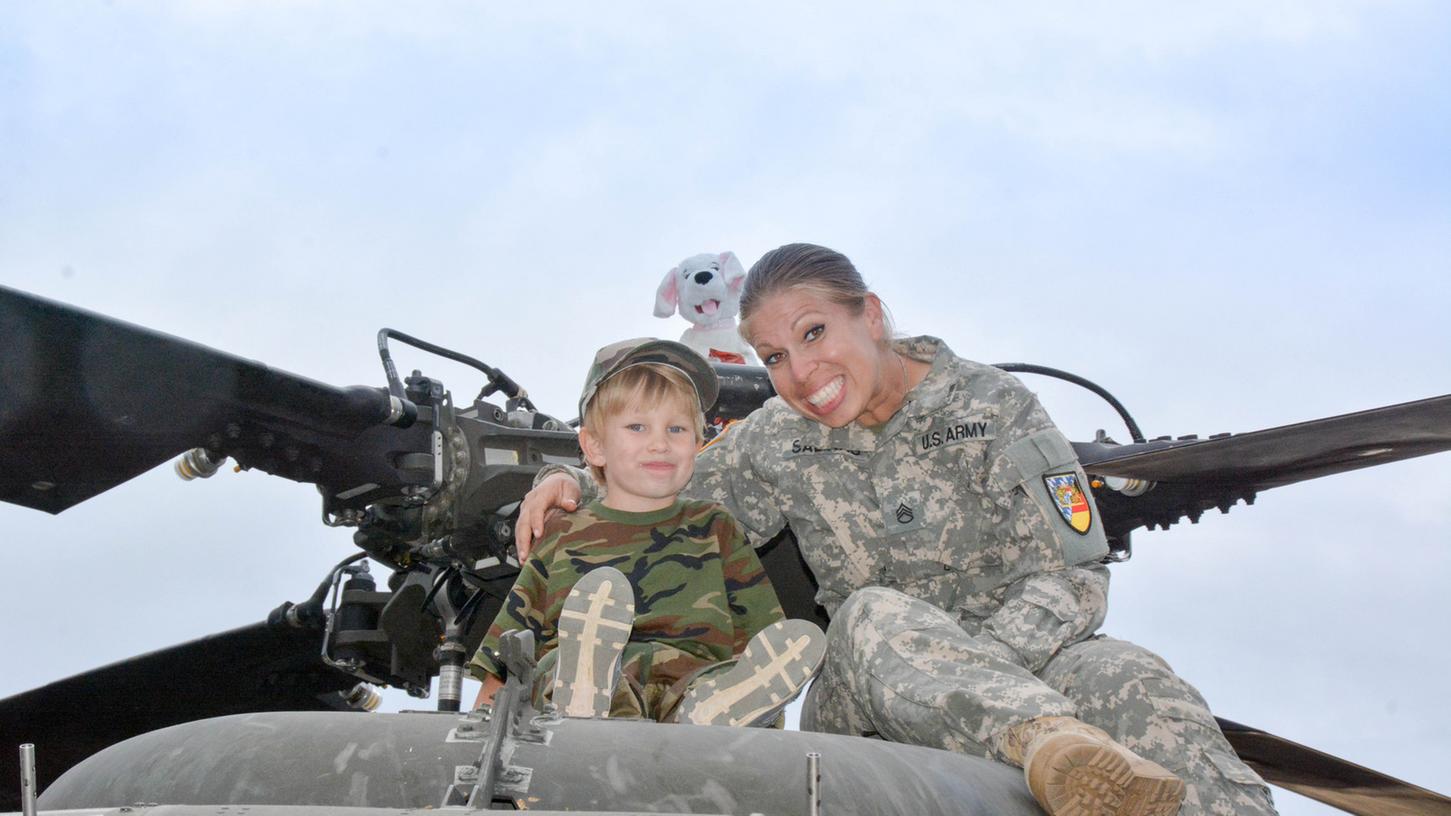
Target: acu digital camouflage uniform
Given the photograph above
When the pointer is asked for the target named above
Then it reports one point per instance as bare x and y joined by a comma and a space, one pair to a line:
963, 601
700, 596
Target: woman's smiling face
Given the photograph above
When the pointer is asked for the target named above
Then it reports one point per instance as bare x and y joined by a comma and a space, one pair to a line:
828, 363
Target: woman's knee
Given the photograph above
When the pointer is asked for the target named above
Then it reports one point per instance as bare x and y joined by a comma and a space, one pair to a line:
866, 599
1104, 663
873, 616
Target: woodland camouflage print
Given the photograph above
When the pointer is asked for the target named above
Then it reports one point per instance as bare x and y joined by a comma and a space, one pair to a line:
980, 591
700, 595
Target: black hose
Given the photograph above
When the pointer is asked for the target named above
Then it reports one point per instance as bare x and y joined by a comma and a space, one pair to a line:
309, 612
320, 593
498, 380
438, 581
1029, 368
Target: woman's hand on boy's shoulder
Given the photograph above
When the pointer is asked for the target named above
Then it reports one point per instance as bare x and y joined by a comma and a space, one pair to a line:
557, 492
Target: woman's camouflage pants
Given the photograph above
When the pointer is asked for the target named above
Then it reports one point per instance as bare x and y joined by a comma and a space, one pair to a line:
904, 670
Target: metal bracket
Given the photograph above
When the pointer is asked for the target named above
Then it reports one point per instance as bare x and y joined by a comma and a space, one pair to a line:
352, 667
511, 717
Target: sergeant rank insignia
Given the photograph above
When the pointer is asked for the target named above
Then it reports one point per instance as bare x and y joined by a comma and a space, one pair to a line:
1071, 500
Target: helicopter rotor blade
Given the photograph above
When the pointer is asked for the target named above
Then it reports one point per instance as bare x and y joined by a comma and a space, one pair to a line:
1329, 779
1287, 454
1190, 476
255, 668
90, 402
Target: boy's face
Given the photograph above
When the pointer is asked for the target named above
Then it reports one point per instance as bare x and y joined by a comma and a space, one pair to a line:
646, 452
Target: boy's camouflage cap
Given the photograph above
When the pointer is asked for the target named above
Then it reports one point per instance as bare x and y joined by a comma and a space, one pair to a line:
617, 357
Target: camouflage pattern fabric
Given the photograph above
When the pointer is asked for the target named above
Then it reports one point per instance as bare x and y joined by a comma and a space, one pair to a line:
904, 670
700, 595
970, 502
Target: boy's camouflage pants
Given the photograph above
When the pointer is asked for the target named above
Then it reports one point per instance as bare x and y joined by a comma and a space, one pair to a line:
905, 670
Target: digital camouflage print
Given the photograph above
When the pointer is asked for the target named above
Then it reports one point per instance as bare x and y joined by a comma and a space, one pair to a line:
961, 503
700, 595
907, 671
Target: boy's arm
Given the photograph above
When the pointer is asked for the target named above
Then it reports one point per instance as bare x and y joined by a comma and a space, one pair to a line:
752, 599
524, 608
491, 687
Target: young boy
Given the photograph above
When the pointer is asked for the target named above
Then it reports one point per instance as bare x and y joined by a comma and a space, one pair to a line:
643, 604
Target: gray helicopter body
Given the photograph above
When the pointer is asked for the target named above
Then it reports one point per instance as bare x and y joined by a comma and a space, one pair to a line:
423, 760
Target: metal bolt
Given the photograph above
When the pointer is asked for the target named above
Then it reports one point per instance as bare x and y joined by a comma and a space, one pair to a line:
813, 784
27, 779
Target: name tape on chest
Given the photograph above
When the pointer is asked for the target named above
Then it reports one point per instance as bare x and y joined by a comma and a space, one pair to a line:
953, 432
798, 447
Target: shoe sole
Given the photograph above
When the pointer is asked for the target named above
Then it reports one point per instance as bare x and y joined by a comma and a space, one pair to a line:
773, 669
594, 626
1088, 778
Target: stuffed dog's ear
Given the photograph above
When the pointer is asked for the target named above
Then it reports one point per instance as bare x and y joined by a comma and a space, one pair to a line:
732, 271
668, 294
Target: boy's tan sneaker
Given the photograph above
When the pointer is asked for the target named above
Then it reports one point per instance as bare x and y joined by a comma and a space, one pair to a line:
594, 626
776, 665
1075, 769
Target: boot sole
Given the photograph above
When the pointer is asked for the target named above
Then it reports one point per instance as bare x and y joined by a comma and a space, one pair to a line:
594, 627
776, 665
1088, 778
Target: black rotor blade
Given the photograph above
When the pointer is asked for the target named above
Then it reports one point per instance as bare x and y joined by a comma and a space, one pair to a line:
1329, 779
1287, 454
254, 668
1192, 476
89, 402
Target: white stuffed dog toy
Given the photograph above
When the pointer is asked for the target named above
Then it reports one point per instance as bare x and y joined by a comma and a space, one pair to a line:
706, 289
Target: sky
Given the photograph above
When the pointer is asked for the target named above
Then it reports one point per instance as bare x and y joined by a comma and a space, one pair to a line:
1233, 216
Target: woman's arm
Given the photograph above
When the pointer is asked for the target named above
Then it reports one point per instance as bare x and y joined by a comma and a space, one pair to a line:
1047, 610
556, 487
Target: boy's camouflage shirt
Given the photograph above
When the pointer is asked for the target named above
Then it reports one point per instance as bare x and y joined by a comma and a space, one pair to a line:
700, 595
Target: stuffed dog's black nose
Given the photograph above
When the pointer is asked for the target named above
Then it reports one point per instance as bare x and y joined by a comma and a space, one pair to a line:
703, 278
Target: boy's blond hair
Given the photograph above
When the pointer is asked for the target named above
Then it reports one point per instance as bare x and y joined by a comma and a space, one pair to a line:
644, 384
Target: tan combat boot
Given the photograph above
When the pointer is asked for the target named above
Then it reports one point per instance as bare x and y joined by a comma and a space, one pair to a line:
1074, 769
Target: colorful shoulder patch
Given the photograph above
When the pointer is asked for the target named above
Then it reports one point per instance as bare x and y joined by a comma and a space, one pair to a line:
1070, 499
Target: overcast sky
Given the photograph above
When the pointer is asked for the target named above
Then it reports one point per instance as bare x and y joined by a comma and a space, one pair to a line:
1233, 215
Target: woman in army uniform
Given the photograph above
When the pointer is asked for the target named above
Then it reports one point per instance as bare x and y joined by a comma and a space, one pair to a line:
957, 550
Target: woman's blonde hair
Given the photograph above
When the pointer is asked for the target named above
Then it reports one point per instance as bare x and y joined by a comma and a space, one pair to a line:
809, 268
645, 384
